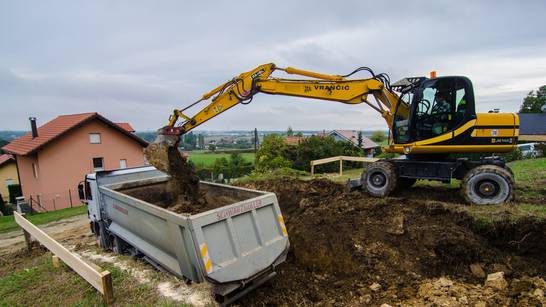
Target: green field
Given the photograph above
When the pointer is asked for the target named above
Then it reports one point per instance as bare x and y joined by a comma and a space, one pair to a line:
208, 158
7, 223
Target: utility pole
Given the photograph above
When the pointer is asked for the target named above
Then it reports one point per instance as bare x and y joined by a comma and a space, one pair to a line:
256, 141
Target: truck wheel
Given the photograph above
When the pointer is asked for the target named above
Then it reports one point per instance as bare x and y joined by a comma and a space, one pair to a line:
380, 179
488, 185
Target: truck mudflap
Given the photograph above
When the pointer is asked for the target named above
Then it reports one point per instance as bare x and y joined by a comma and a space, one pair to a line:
240, 241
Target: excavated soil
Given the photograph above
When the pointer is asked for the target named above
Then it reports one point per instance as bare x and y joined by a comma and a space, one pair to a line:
348, 249
183, 188
160, 194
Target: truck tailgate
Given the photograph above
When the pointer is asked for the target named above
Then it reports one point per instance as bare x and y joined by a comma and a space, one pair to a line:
238, 241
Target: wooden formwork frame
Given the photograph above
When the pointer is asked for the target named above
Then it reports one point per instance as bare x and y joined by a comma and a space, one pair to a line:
340, 159
94, 275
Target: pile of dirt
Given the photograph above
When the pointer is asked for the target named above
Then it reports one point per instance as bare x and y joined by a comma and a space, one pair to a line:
351, 249
183, 188
162, 195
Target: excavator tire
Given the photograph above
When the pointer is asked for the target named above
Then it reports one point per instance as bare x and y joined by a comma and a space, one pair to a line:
488, 185
380, 179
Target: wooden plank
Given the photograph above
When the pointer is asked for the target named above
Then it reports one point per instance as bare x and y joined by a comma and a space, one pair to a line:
84, 269
325, 160
359, 159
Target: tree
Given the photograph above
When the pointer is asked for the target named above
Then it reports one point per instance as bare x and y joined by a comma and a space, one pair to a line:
317, 147
271, 153
289, 132
3, 143
234, 167
212, 147
534, 101
378, 136
201, 141
359, 139
300, 134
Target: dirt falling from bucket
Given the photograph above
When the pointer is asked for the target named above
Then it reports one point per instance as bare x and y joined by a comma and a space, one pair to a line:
184, 183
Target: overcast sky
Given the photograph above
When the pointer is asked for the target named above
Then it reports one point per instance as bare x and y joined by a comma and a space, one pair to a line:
135, 61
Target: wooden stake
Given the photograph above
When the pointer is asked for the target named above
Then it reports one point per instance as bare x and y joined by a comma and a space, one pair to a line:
56, 262
107, 288
28, 241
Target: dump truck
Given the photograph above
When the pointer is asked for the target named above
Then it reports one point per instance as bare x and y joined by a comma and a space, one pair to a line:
235, 247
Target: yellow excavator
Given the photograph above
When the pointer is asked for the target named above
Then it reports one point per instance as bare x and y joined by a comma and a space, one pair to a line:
430, 119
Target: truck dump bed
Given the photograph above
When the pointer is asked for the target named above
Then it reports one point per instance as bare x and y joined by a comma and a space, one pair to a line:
235, 246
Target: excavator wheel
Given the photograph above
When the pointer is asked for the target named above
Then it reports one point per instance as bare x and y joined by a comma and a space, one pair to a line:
380, 179
488, 185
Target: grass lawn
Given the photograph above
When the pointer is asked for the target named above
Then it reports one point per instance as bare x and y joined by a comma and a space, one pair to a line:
7, 223
33, 280
207, 158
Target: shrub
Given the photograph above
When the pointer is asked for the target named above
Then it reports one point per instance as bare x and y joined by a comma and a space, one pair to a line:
378, 136
512, 155
270, 174
317, 147
271, 154
387, 155
234, 167
5, 208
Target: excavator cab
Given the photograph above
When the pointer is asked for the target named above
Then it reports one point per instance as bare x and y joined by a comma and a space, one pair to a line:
437, 106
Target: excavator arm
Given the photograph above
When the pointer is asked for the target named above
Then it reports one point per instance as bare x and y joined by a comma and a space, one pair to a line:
242, 89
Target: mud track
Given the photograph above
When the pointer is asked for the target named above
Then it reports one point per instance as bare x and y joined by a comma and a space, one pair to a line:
350, 249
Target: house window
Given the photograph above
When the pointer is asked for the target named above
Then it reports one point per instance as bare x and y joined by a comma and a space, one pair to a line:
98, 164
123, 163
9, 182
35, 170
94, 138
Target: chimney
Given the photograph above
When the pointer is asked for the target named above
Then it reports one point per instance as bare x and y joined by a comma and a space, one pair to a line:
33, 127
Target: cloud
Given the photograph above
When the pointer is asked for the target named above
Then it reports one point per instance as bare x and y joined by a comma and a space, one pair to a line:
136, 61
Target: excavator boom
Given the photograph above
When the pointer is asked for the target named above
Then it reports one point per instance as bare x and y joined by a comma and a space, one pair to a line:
242, 88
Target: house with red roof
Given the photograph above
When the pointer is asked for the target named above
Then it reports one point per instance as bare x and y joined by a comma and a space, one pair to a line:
351, 136
52, 159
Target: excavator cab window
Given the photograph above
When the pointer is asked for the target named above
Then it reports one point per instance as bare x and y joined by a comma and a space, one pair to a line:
401, 127
441, 105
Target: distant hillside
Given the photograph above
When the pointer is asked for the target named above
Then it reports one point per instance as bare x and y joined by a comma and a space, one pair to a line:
9, 135
146, 135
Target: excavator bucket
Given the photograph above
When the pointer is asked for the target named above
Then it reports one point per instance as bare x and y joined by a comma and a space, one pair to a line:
157, 153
